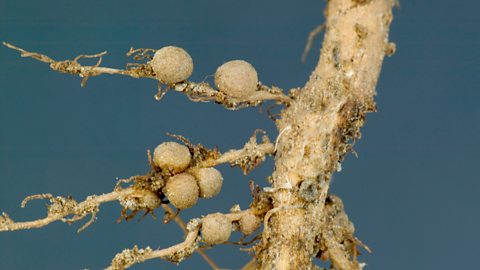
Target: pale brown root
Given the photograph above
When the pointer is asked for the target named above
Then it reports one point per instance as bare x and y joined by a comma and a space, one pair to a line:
318, 128
203, 92
198, 92
60, 208
175, 253
74, 68
247, 158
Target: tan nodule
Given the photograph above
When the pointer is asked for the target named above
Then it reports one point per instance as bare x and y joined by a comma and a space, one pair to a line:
172, 156
209, 181
172, 65
236, 78
182, 190
141, 199
216, 229
249, 223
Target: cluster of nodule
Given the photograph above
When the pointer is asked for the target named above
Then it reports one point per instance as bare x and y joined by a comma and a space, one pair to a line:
175, 177
237, 79
186, 184
217, 227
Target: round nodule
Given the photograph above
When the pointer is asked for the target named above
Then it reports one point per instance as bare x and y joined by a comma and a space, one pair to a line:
172, 156
236, 78
209, 181
249, 223
141, 199
216, 229
182, 190
172, 65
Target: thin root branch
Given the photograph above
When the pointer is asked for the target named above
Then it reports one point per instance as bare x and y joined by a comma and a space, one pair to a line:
36, 197
197, 92
62, 207
311, 37
247, 158
174, 254
75, 68
203, 92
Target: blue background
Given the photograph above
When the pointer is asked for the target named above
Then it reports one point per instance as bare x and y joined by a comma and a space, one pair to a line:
413, 193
